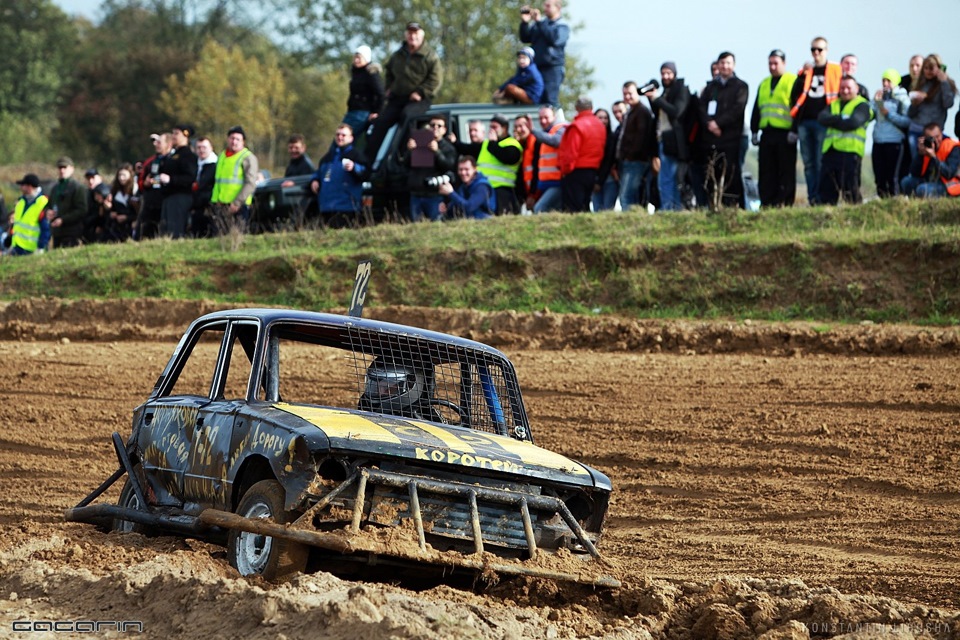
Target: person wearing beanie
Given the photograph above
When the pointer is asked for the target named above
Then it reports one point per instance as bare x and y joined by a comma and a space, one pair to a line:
891, 161
366, 92
526, 85
669, 111
235, 181
772, 127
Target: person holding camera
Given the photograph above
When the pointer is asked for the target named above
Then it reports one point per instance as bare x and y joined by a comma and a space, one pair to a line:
844, 145
931, 96
636, 147
668, 112
473, 197
429, 159
934, 171
499, 159
548, 36
338, 181
890, 106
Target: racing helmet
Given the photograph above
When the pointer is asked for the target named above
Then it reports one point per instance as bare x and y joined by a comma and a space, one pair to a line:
393, 386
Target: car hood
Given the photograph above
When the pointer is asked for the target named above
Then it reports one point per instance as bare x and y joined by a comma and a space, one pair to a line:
428, 442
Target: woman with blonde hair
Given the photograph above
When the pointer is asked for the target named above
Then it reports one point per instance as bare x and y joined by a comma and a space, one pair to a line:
931, 96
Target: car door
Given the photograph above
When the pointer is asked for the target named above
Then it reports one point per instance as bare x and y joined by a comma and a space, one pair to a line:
188, 425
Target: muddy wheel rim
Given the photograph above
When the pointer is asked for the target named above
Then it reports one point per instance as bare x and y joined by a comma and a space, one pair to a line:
253, 549
132, 502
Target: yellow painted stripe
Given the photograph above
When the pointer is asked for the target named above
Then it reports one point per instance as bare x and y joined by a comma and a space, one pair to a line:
534, 455
341, 424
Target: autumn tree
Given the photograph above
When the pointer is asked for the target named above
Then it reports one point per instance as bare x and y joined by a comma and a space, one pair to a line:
226, 88
476, 39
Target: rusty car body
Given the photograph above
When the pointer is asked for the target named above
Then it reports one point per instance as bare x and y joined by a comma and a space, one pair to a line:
285, 431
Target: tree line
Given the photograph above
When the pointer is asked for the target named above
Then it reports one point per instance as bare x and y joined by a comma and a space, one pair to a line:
95, 91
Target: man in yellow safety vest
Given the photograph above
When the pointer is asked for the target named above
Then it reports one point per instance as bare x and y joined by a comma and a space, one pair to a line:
843, 148
499, 159
235, 180
30, 229
771, 125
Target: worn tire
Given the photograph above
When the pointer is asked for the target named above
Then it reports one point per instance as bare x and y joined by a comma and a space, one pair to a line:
254, 554
128, 498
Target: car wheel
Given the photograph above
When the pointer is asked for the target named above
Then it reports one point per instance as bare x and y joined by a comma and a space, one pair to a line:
257, 554
128, 499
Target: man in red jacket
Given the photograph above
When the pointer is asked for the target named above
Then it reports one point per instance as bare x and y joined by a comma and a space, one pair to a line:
581, 151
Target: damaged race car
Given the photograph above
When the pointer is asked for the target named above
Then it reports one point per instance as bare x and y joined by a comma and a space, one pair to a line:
293, 434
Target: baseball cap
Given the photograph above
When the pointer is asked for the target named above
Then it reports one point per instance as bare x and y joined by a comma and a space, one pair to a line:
30, 179
89, 173
188, 129
154, 136
237, 129
414, 26
64, 161
778, 53
501, 120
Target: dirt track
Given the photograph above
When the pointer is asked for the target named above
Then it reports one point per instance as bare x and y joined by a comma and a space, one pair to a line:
754, 489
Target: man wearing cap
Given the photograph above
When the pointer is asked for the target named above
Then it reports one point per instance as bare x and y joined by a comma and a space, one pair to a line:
69, 207
668, 112
526, 85
151, 196
414, 74
30, 229
235, 181
177, 177
366, 91
498, 160
548, 37
771, 126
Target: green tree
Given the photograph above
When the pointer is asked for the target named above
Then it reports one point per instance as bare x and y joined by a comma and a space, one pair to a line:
476, 39
226, 88
38, 41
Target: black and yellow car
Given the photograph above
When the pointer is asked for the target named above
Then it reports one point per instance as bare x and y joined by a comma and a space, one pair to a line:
292, 433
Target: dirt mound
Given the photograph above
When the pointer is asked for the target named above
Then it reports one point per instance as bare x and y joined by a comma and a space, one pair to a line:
187, 593
153, 319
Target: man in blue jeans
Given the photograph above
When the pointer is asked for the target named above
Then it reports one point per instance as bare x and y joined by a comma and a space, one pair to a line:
668, 112
548, 36
636, 148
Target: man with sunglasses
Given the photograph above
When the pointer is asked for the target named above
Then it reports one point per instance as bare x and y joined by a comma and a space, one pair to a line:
816, 87
430, 158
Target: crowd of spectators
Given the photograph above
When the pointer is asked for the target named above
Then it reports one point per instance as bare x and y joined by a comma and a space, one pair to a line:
663, 147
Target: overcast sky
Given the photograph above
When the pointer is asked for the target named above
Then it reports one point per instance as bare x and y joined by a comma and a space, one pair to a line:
628, 39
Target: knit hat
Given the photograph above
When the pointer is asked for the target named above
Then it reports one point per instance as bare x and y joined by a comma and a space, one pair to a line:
364, 52
892, 75
527, 51
237, 129
669, 65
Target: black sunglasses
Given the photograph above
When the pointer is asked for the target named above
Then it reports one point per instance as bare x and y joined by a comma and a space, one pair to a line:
816, 49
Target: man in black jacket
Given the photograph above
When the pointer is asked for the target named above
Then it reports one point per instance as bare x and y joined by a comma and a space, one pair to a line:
668, 111
179, 174
68, 200
722, 105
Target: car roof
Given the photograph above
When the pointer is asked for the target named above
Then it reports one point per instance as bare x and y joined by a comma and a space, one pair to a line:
268, 316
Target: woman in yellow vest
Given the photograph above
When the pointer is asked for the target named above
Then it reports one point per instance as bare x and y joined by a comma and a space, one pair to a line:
30, 228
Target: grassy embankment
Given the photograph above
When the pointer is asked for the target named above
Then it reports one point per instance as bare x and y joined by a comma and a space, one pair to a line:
896, 261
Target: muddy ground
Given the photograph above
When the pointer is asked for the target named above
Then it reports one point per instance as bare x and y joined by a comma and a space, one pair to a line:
783, 481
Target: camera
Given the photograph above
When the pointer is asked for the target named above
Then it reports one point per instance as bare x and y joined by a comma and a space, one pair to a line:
653, 85
929, 142
887, 94
436, 181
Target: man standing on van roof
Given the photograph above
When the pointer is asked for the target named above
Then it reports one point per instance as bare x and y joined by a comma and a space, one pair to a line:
414, 74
